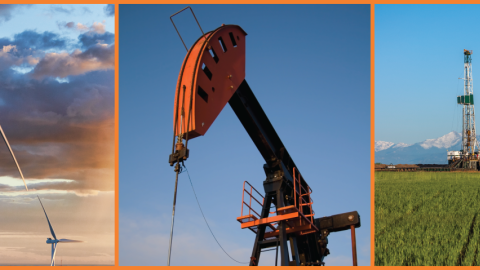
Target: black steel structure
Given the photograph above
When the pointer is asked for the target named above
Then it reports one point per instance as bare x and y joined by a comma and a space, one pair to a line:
217, 61
309, 249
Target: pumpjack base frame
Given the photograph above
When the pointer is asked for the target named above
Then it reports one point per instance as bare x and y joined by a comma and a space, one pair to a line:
268, 235
290, 214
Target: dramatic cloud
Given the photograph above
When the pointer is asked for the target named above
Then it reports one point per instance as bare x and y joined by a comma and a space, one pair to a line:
32, 40
97, 57
95, 28
57, 108
89, 39
79, 188
29, 50
9, 48
98, 28
109, 10
60, 131
6, 11
8, 58
82, 27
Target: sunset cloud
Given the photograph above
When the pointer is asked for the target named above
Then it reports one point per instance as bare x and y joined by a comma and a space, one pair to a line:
61, 130
89, 39
8, 59
9, 48
57, 107
32, 51
96, 27
97, 57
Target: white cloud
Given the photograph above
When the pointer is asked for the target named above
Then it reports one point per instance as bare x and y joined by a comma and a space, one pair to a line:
61, 65
9, 48
96, 27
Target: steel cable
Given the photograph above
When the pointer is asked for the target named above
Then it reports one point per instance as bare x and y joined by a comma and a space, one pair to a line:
194, 193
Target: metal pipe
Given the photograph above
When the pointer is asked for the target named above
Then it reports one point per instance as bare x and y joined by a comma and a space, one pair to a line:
354, 245
250, 207
53, 252
176, 118
243, 194
177, 169
276, 253
203, 34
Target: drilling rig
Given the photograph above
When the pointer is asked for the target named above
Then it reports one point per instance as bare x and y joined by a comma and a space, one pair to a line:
212, 75
467, 157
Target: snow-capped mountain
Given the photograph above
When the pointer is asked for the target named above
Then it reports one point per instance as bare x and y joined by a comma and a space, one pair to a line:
445, 141
401, 145
381, 145
431, 151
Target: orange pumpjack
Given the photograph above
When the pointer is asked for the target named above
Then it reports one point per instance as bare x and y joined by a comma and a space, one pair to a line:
212, 75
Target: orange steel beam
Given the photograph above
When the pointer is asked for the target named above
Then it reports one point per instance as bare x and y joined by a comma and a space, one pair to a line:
270, 220
211, 73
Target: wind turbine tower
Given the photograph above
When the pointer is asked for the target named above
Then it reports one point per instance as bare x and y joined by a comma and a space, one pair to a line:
469, 151
54, 241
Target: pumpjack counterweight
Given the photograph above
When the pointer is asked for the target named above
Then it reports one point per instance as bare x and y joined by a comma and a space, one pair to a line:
212, 75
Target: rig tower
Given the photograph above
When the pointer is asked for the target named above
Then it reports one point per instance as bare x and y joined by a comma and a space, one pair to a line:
469, 151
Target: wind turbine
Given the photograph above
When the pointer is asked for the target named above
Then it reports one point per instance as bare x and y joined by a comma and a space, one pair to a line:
13, 156
54, 241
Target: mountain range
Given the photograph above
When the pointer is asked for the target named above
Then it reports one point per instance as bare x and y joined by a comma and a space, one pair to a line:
431, 151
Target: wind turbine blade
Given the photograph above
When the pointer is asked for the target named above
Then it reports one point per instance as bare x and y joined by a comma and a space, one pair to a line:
50, 225
11, 152
70, 241
53, 257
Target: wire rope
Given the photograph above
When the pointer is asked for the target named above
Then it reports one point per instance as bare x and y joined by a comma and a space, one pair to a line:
194, 193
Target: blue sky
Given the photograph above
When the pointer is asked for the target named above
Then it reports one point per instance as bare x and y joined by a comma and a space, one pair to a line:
418, 60
28, 17
57, 110
309, 67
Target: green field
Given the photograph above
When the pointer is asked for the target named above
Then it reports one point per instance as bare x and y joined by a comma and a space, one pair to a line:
427, 218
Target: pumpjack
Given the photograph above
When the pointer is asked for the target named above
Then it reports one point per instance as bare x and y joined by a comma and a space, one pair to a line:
212, 75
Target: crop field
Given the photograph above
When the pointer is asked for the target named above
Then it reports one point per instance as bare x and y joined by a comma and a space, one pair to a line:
427, 218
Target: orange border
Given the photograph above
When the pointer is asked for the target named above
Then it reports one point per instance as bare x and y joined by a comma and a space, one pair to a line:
372, 135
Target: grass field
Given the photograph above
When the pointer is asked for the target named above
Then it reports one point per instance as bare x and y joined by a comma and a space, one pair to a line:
427, 218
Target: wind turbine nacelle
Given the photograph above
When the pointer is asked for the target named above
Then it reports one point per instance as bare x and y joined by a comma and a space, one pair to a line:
51, 241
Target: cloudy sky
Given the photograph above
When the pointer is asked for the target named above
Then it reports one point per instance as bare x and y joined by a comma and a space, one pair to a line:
57, 111
418, 63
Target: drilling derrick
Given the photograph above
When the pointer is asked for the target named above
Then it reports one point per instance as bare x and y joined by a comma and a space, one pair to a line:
469, 151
